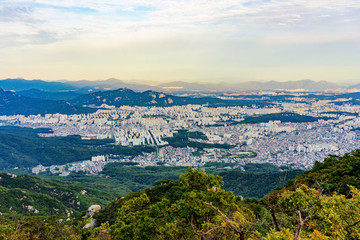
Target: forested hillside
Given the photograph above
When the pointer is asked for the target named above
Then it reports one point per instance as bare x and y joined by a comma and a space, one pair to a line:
22, 147
28, 195
12, 104
127, 97
320, 204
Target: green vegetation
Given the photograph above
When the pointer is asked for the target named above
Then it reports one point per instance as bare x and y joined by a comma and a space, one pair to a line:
263, 167
24, 194
335, 174
249, 167
22, 147
318, 205
181, 139
127, 97
195, 207
24, 131
137, 178
219, 165
172, 209
122, 179
255, 185
12, 104
283, 117
185, 134
26, 228
47, 95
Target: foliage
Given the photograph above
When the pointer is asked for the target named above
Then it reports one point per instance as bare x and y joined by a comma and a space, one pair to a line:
246, 184
338, 217
262, 167
47, 95
181, 210
12, 104
334, 174
196, 207
185, 134
323, 203
181, 139
23, 194
123, 96
24, 131
255, 185
26, 228
24, 148
283, 117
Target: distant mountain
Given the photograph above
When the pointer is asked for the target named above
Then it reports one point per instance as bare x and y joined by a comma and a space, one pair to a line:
46, 95
190, 86
19, 84
302, 84
121, 97
355, 86
184, 87
85, 86
28, 195
251, 85
12, 103
110, 84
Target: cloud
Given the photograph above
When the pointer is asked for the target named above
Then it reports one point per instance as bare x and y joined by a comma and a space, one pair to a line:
200, 11
189, 37
110, 18
15, 13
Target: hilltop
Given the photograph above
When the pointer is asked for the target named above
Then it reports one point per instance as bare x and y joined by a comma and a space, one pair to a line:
12, 104
124, 96
198, 206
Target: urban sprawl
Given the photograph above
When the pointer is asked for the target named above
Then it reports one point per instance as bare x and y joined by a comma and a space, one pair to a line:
294, 144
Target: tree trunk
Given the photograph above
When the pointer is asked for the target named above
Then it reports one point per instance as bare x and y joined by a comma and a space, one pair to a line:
300, 225
275, 222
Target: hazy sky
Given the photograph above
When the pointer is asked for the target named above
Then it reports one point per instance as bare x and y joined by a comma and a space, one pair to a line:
193, 40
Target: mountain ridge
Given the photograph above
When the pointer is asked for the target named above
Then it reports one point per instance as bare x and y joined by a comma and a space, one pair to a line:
12, 104
86, 86
124, 96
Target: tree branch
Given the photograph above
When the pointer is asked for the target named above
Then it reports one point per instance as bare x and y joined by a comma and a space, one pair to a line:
226, 219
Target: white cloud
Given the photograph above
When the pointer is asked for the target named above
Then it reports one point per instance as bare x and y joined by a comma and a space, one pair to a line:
99, 18
173, 36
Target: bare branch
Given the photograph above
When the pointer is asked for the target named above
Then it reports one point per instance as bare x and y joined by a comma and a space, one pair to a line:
226, 219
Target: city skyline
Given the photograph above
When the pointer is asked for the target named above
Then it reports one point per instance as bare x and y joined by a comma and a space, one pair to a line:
161, 41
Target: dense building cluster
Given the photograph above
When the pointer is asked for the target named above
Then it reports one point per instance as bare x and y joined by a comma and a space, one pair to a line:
296, 144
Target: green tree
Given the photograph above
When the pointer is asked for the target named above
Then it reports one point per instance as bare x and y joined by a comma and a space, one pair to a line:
303, 202
195, 207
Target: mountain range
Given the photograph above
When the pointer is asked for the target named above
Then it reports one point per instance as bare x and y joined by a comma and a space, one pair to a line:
123, 96
12, 103
49, 95
19, 84
85, 86
26, 97
307, 85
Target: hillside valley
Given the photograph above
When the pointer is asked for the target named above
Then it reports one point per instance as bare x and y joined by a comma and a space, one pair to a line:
198, 206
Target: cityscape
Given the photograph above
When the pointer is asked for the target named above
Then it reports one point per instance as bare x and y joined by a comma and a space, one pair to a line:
191, 119
331, 130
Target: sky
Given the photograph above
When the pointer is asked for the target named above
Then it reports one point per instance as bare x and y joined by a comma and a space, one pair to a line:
188, 40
